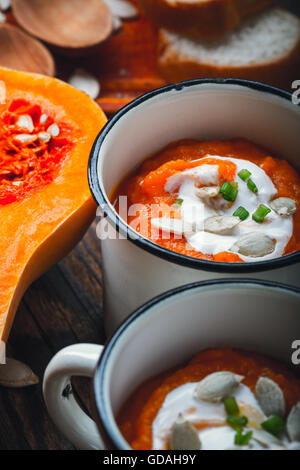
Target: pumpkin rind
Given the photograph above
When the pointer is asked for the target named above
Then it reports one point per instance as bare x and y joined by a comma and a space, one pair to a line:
40, 229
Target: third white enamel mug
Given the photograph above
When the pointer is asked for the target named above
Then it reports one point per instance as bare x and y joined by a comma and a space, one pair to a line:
135, 269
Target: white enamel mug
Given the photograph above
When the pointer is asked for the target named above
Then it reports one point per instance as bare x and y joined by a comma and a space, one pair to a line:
135, 269
258, 316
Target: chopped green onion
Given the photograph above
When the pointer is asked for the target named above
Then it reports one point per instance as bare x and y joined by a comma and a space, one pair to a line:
178, 202
229, 191
252, 186
274, 425
237, 421
242, 439
242, 213
231, 406
260, 213
244, 174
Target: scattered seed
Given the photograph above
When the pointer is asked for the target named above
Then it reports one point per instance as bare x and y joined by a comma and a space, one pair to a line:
284, 206
254, 245
25, 122
270, 397
86, 82
43, 118
184, 436
2, 17
5, 4
44, 137
176, 226
122, 9
16, 374
53, 130
2, 92
265, 438
208, 191
293, 423
217, 386
117, 23
25, 138
221, 223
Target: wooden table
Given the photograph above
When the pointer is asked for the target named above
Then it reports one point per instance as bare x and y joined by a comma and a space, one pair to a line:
63, 307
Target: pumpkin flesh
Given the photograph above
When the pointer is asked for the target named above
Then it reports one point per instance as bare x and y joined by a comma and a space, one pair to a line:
44, 216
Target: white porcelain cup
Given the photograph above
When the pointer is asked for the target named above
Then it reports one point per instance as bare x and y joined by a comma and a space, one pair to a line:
258, 316
135, 269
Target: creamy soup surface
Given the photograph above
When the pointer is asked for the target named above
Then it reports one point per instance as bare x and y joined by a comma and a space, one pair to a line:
227, 201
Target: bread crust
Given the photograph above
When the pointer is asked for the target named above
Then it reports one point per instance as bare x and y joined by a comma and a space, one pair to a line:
204, 18
174, 67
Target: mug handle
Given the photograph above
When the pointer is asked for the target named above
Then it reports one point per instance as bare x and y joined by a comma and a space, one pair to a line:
72, 421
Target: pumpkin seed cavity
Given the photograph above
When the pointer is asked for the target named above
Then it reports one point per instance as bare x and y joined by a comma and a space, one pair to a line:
217, 386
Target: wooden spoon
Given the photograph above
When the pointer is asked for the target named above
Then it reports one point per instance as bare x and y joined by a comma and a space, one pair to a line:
20, 51
72, 27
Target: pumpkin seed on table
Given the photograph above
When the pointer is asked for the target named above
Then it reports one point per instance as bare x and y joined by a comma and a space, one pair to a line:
218, 386
16, 374
2, 17
221, 223
270, 397
254, 245
208, 191
184, 436
293, 423
44, 137
86, 82
122, 9
283, 206
2, 92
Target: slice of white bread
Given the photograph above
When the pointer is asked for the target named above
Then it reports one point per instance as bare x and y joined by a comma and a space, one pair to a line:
264, 48
201, 18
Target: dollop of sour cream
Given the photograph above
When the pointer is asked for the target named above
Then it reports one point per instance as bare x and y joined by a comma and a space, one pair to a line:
209, 419
195, 210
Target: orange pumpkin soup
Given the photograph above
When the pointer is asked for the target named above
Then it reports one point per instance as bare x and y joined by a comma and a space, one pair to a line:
34, 144
146, 418
244, 201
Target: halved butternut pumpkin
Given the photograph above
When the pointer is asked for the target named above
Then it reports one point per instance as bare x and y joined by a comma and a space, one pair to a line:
45, 202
